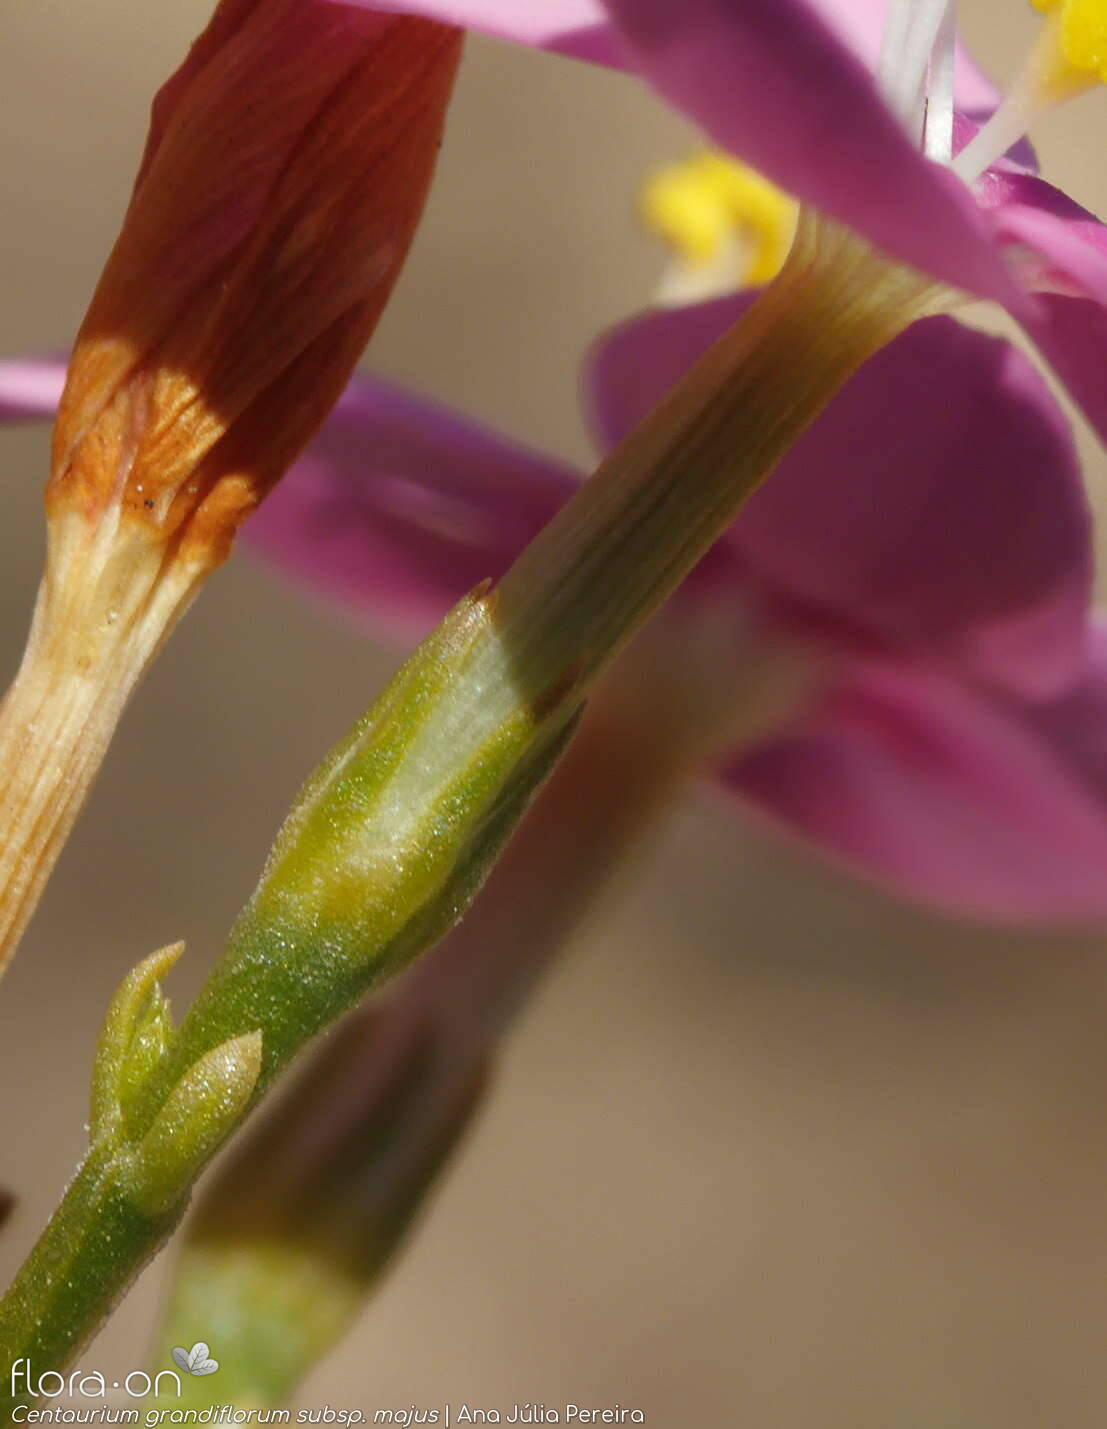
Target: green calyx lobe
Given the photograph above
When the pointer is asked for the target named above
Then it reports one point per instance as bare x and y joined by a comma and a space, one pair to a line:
135, 1037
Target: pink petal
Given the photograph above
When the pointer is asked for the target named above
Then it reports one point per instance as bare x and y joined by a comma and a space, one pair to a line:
30, 387
1072, 335
400, 506
942, 795
1075, 724
974, 91
785, 85
580, 28
771, 81
1062, 250
860, 23
571, 27
936, 506
1068, 243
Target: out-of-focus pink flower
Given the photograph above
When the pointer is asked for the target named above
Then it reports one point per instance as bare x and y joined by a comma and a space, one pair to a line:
925, 548
884, 518
982, 802
789, 86
954, 748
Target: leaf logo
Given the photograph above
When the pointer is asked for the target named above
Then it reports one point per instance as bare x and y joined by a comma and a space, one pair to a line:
196, 1360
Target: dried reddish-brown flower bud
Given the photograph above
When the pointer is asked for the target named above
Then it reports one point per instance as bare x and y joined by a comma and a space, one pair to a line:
285, 173
287, 166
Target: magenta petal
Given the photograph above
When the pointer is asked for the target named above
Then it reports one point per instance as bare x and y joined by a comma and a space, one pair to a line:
771, 81
861, 24
1072, 335
570, 27
1063, 246
30, 387
1063, 252
580, 28
935, 506
1075, 724
400, 506
944, 797
974, 91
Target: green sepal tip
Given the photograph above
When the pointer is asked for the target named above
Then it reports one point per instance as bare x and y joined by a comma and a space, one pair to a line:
134, 1038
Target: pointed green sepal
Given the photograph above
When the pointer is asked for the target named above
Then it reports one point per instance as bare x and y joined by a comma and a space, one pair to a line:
200, 1112
133, 1040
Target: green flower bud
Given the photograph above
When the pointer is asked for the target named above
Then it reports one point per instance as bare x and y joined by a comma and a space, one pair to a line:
386, 845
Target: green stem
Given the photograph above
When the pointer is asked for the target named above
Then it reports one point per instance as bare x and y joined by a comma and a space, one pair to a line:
367, 872
390, 840
309, 1213
662, 498
74, 1276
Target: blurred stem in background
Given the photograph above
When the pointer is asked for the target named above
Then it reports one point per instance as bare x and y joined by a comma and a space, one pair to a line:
305, 1219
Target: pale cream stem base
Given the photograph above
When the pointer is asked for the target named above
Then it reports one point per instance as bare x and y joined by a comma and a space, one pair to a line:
108, 599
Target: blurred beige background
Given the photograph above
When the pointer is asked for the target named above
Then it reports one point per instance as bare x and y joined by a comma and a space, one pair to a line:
769, 1150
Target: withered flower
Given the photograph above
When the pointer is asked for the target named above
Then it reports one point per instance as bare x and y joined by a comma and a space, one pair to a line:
285, 172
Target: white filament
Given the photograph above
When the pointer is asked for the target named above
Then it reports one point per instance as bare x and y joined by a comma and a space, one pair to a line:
1004, 129
897, 22
912, 32
1044, 81
938, 140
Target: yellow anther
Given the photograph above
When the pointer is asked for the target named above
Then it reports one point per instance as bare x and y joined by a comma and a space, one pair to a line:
1078, 39
711, 204
1068, 58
